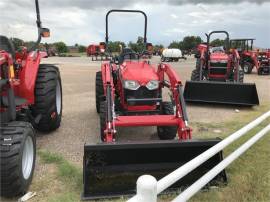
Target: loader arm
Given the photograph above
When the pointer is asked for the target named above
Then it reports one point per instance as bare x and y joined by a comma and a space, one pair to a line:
203, 62
109, 95
236, 63
175, 86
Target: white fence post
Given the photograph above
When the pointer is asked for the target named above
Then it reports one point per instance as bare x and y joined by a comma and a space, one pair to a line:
146, 189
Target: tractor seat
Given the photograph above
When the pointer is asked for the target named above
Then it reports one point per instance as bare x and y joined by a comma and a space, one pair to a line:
7, 45
127, 54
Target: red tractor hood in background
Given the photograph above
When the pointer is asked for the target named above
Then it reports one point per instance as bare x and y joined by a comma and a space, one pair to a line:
141, 72
219, 56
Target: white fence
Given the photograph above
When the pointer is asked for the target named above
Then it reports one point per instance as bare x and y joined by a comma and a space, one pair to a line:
148, 187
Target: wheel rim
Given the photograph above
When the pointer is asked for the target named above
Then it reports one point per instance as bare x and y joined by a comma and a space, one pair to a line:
28, 157
246, 67
58, 98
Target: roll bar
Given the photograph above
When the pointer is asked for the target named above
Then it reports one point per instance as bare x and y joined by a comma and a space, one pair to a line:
218, 32
126, 11
245, 41
41, 30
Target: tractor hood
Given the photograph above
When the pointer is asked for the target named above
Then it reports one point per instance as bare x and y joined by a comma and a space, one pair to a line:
219, 56
141, 72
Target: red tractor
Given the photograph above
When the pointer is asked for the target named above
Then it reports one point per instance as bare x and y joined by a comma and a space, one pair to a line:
96, 51
31, 97
249, 58
129, 94
218, 77
263, 62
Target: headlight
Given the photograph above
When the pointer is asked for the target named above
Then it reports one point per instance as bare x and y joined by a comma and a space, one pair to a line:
131, 85
152, 85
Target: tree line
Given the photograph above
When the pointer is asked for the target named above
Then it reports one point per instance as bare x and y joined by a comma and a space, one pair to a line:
188, 44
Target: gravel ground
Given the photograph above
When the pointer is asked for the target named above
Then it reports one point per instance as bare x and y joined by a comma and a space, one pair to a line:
80, 121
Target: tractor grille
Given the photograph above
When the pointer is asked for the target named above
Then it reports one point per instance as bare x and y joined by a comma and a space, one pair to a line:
218, 64
219, 70
141, 93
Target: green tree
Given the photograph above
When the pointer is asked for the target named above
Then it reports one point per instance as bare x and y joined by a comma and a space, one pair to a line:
217, 42
139, 46
115, 46
81, 48
30, 44
190, 42
61, 47
17, 43
174, 44
158, 47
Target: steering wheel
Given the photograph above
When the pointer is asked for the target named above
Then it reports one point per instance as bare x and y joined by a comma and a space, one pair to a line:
146, 53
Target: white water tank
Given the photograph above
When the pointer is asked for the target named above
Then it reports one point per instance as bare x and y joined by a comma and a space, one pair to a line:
172, 53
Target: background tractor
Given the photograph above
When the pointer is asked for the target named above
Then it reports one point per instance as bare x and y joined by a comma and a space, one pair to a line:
263, 58
218, 77
97, 52
31, 97
249, 58
129, 94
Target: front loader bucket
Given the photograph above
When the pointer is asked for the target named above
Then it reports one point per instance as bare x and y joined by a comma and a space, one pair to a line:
111, 170
242, 94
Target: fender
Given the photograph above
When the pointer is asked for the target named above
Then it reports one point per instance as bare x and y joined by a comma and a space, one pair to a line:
28, 75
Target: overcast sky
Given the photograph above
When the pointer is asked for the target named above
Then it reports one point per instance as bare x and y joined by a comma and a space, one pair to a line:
83, 21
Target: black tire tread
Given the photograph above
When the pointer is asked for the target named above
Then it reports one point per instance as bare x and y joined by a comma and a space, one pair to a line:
241, 75
45, 95
195, 75
99, 90
12, 138
167, 132
249, 68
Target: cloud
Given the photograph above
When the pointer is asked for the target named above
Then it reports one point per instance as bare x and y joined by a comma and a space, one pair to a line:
83, 21
181, 2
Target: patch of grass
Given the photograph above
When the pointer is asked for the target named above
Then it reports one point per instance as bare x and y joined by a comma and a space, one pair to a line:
49, 157
66, 197
67, 172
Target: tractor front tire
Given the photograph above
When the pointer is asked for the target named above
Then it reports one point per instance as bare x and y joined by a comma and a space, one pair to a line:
99, 90
18, 154
247, 67
198, 64
166, 132
241, 75
195, 75
48, 98
102, 118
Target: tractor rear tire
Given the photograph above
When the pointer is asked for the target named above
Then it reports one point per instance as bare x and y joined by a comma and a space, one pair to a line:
166, 132
99, 90
195, 75
102, 118
48, 98
247, 67
17, 157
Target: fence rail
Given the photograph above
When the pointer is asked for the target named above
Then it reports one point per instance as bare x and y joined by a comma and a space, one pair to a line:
151, 188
